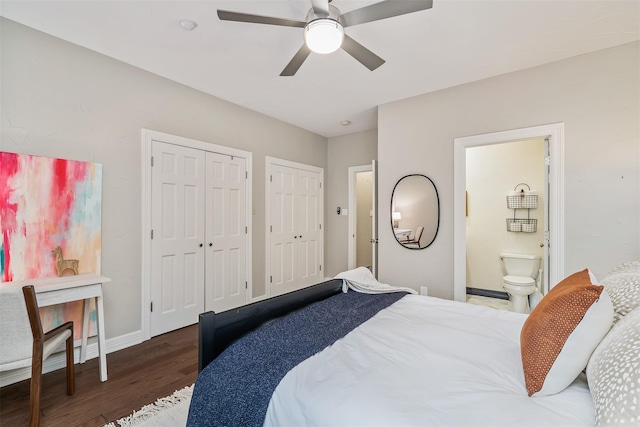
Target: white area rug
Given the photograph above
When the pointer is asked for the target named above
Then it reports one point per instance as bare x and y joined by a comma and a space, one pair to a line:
170, 411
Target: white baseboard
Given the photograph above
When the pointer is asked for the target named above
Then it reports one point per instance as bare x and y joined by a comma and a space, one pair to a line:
57, 361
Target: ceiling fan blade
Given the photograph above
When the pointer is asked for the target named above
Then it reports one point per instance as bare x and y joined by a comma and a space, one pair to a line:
297, 60
383, 10
226, 15
320, 7
361, 53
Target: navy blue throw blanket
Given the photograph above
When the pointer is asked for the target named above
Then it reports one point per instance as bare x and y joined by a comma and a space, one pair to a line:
235, 389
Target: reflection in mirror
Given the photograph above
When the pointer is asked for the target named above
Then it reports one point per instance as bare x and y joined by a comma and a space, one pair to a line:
415, 211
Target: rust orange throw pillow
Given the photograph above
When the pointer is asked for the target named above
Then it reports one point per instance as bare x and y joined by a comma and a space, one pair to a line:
562, 331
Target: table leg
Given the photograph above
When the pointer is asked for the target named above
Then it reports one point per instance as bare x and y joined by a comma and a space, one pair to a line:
102, 348
85, 329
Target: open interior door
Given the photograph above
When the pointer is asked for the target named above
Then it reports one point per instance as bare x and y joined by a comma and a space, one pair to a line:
374, 219
547, 233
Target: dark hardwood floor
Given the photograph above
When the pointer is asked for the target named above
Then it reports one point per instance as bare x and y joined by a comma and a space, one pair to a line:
138, 376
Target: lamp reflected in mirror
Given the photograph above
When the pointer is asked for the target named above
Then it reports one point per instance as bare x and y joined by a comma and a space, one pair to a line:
396, 217
417, 198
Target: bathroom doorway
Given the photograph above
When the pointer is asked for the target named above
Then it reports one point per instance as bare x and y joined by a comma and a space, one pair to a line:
495, 173
551, 196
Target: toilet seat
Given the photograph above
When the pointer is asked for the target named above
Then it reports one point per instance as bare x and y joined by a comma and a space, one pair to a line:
518, 281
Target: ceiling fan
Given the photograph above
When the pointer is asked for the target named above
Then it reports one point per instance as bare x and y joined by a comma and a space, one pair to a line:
324, 28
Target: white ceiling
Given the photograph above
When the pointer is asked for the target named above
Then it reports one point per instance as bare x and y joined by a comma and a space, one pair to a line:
453, 43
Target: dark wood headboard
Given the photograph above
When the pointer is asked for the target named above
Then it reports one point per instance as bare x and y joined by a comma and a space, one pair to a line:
219, 330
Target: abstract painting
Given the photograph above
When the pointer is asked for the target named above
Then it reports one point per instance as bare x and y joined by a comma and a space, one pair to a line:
44, 203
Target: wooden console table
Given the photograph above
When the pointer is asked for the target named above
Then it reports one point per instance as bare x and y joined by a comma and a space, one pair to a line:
59, 290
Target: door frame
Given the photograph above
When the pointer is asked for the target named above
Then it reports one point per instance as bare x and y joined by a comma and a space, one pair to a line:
148, 136
353, 173
555, 134
267, 214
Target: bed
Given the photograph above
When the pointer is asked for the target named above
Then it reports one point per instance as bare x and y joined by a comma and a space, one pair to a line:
321, 356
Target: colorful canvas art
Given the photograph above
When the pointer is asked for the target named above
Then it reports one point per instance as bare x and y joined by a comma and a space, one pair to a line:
45, 203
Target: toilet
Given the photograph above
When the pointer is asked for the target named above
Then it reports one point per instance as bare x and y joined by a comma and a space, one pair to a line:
521, 272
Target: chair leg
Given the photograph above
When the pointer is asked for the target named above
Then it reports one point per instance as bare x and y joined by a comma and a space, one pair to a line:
71, 379
36, 385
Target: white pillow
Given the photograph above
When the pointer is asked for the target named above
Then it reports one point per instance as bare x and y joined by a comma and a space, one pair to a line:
613, 374
578, 348
562, 331
623, 286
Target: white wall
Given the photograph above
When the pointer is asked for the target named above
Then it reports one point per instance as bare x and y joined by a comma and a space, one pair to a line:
62, 100
355, 149
595, 95
493, 171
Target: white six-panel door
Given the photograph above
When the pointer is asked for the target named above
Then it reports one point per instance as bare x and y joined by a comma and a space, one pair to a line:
294, 229
177, 252
283, 187
308, 228
199, 239
226, 230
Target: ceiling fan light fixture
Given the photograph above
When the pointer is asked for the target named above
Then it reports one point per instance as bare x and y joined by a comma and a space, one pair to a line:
324, 35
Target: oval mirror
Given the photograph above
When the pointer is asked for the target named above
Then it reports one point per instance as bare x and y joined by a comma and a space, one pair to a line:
415, 211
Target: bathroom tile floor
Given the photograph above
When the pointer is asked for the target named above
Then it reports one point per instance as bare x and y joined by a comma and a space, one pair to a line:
499, 304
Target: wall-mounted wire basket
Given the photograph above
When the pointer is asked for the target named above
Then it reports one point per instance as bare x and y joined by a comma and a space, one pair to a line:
522, 201
522, 225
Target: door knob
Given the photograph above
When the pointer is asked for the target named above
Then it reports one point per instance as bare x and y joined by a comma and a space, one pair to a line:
201, 244
542, 245
210, 244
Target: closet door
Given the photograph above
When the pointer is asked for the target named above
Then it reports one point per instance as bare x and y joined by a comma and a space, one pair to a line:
283, 188
294, 234
177, 252
226, 231
309, 233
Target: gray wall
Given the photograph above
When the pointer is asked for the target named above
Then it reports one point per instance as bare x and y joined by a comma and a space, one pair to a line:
596, 96
62, 100
356, 149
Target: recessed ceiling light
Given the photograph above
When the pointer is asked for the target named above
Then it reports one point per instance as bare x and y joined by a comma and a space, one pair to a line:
188, 24
345, 122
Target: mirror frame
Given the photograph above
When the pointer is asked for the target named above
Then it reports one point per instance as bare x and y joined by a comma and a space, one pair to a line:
393, 192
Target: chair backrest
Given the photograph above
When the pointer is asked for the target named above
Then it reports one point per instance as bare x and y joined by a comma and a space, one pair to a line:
16, 339
418, 235
31, 303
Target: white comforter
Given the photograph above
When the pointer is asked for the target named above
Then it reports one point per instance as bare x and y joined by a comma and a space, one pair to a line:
424, 362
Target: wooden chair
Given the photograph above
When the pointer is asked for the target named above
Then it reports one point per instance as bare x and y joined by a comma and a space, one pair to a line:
416, 237
29, 345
